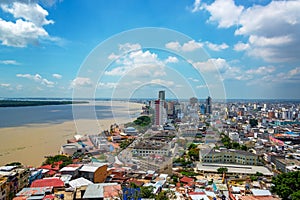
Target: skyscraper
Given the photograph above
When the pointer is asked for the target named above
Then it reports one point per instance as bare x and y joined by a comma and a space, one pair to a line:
208, 105
162, 95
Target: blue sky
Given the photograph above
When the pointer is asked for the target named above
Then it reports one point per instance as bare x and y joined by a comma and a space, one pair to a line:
97, 48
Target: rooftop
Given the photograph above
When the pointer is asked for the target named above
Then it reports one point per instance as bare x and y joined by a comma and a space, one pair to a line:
48, 182
95, 191
234, 168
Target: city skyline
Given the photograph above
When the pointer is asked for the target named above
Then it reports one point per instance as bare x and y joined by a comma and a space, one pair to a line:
253, 49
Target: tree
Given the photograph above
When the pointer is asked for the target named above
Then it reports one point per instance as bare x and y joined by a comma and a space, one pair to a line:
147, 192
235, 145
14, 164
296, 195
287, 185
194, 154
253, 122
222, 170
244, 148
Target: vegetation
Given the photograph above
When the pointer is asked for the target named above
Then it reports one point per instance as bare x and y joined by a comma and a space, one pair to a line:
124, 144
147, 192
222, 170
142, 121
232, 145
253, 122
188, 173
255, 176
183, 162
14, 164
51, 160
193, 152
287, 185
18, 103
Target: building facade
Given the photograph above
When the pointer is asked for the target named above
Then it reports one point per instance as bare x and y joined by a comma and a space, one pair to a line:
229, 156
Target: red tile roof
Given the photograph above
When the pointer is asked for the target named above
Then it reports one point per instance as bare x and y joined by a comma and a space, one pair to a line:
49, 197
46, 182
186, 179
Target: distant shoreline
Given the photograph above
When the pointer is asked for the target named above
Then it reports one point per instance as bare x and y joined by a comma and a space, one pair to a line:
21, 103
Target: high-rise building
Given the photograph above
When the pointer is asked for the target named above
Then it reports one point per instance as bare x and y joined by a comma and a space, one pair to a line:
208, 105
160, 113
162, 95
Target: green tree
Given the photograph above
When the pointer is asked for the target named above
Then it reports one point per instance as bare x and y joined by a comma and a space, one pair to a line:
147, 192
244, 147
162, 196
296, 195
253, 122
235, 145
192, 146
286, 184
222, 170
194, 154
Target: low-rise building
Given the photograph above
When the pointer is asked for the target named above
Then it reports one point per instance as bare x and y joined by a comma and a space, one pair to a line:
72, 169
102, 191
229, 156
287, 165
233, 169
95, 172
3, 188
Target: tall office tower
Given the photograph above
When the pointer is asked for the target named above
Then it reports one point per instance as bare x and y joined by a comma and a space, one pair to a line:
208, 105
160, 113
162, 95
157, 117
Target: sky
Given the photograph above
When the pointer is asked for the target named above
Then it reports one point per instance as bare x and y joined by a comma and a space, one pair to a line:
231, 49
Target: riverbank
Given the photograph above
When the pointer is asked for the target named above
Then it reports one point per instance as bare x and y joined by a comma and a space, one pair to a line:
29, 144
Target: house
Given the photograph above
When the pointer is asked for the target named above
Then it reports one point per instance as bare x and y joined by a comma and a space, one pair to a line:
72, 169
3, 188
34, 193
56, 183
95, 172
102, 191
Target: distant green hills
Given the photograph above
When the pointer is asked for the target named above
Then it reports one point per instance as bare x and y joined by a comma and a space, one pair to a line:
18, 103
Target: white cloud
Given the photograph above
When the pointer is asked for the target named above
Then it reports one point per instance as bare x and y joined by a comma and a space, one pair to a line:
261, 41
81, 82
216, 47
30, 12
187, 47
138, 64
261, 70
171, 59
37, 78
224, 12
5, 85
129, 47
57, 76
107, 85
9, 62
272, 30
113, 56
191, 45
173, 45
162, 82
201, 86
28, 27
197, 6
212, 64
240, 46
295, 71
193, 79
